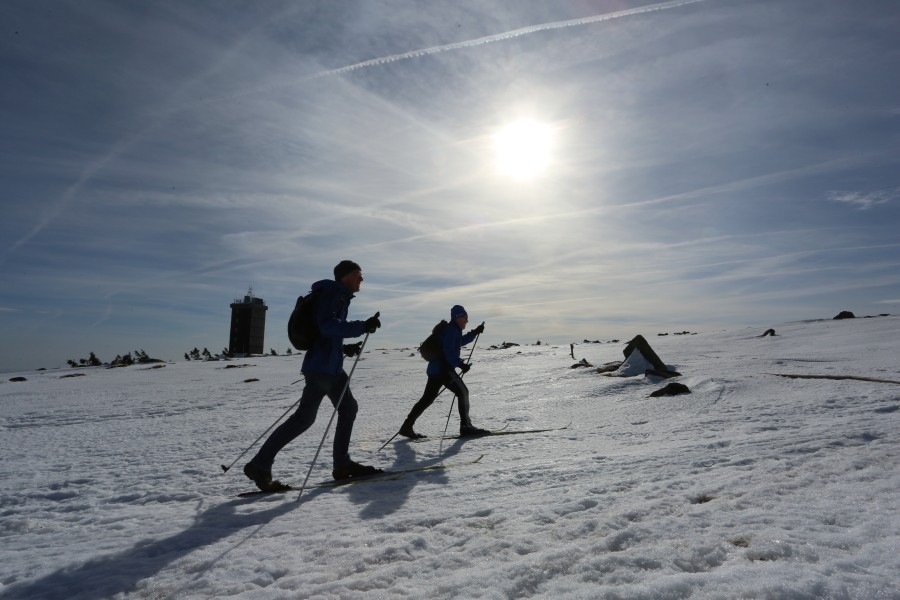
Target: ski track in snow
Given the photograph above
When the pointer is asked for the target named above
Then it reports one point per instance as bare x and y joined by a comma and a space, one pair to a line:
752, 486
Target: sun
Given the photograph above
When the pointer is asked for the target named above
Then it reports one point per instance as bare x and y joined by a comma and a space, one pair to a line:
523, 148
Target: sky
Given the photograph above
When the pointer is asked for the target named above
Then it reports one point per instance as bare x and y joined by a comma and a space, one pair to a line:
687, 165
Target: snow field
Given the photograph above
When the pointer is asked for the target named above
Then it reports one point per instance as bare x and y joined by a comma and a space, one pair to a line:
752, 486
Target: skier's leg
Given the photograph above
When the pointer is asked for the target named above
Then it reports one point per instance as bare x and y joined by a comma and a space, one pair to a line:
305, 415
432, 389
455, 384
345, 418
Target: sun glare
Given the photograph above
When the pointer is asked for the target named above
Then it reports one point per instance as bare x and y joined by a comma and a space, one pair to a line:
523, 149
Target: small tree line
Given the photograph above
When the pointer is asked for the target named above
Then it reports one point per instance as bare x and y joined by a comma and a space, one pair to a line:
121, 360
205, 354
196, 354
141, 357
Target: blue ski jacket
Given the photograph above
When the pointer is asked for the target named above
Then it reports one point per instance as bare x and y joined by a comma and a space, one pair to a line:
452, 339
327, 352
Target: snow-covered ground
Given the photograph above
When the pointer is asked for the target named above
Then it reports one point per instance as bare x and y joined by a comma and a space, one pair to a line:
752, 486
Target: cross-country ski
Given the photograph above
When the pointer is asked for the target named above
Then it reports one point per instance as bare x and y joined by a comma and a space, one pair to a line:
331, 483
376, 478
506, 432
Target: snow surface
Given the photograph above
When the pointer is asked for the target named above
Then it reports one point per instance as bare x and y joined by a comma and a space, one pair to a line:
752, 486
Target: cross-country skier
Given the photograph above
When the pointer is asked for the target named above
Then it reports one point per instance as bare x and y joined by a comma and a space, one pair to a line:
442, 372
325, 376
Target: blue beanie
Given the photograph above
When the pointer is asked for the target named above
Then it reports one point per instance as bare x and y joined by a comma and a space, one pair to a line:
458, 311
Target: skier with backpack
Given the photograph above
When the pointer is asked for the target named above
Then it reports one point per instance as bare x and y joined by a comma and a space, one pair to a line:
322, 329
441, 350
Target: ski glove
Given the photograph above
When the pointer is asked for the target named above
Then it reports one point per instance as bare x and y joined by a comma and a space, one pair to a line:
479, 330
352, 349
465, 367
372, 324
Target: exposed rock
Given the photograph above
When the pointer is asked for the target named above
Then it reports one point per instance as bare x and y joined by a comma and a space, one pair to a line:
659, 367
844, 314
504, 346
672, 389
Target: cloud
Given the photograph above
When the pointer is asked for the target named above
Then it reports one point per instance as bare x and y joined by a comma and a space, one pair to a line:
865, 200
507, 35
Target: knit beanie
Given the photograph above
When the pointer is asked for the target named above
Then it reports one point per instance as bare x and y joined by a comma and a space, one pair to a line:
458, 311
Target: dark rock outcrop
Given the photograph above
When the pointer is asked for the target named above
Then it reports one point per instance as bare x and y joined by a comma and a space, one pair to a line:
659, 367
672, 389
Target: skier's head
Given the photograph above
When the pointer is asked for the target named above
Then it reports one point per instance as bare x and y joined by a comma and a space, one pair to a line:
349, 273
345, 267
458, 314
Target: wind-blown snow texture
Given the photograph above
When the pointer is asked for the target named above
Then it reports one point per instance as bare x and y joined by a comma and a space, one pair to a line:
753, 486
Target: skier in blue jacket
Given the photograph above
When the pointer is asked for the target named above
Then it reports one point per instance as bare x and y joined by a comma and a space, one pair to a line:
442, 372
325, 376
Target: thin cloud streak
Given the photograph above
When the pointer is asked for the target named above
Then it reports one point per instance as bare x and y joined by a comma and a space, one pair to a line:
865, 200
734, 186
421, 52
508, 35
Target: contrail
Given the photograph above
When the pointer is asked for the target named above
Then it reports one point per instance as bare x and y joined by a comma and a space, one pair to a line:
98, 165
499, 37
490, 39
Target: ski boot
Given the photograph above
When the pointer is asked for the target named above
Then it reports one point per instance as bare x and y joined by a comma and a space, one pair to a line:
263, 479
354, 469
472, 431
407, 432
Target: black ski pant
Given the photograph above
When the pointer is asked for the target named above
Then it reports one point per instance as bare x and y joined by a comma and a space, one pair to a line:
454, 383
318, 385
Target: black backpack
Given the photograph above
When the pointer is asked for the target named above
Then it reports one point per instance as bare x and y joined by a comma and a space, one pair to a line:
430, 349
302, 328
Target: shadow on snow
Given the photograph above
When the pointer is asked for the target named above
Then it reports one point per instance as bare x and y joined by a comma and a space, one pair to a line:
120, 573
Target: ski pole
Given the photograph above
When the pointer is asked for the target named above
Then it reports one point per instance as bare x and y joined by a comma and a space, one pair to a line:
337, 405
225, 469
447, 424
391, 439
